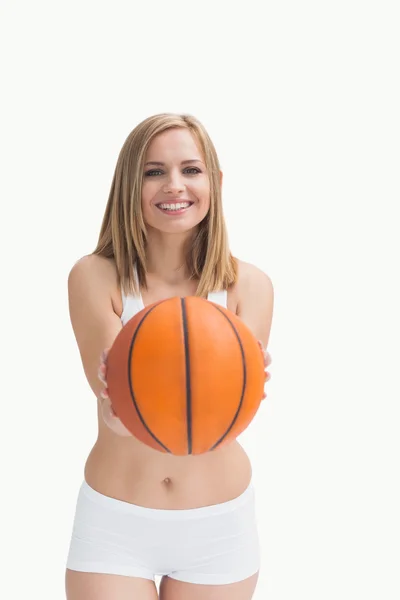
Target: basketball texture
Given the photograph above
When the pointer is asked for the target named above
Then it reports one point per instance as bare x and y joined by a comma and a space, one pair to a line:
185, 375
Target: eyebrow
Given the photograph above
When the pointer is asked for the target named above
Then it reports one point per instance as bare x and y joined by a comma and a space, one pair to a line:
161, 164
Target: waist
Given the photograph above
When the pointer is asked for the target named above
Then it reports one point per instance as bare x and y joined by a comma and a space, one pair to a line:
130, 471
166, 514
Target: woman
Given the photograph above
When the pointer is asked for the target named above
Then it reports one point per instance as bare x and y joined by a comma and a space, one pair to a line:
142, 513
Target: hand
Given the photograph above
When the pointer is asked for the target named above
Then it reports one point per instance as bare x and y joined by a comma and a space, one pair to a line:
109, 415
267, 361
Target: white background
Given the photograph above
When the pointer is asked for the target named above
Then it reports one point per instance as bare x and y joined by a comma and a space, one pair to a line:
302, 102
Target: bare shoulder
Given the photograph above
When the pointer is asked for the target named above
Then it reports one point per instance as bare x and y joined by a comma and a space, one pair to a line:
253, 276
91, 269
255, 299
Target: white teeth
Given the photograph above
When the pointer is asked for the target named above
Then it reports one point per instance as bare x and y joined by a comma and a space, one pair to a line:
177, 206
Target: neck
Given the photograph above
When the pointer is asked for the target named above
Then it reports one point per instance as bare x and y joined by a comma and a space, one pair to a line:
166, 255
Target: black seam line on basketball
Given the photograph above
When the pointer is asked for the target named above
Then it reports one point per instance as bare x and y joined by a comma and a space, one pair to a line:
131, 385
187, 374
244, 379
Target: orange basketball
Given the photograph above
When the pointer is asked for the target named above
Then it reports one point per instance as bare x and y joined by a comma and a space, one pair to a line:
185, 375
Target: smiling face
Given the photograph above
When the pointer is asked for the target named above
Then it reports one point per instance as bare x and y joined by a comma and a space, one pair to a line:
176, 187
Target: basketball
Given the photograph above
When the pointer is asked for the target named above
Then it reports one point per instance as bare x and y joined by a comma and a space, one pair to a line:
185, 376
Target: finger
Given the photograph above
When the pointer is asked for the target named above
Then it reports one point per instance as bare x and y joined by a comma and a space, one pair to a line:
266, 355
262, 351
102, 368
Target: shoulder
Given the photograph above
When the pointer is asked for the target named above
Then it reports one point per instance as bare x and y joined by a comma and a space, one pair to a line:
92, 265
95, 277
92, 270
252, 278
255, 299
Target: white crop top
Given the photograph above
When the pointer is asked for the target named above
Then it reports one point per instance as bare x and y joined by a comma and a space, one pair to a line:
133, 304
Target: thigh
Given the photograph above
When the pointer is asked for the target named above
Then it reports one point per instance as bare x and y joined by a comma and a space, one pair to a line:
173, 589
98, 586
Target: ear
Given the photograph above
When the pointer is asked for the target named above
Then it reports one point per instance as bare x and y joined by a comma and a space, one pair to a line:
220, 177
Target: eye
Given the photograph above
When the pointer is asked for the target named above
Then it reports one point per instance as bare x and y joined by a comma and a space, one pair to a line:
153, 172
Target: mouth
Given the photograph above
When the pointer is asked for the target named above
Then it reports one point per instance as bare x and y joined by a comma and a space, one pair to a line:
174, 208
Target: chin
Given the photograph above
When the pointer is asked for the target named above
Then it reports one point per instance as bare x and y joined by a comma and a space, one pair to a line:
178, 228
176, 225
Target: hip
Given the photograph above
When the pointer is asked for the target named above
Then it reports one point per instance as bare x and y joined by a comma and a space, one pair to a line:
213, 544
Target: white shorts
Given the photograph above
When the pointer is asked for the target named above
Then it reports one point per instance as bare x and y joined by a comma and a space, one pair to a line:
215, 544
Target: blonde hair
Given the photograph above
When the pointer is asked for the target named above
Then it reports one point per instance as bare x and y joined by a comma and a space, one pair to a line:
123, 231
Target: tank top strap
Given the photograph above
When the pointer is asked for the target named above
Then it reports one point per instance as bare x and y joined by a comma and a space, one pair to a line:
131, 303
220, 297
130, 306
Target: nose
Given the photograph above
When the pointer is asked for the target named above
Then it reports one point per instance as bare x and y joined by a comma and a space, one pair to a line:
174, 183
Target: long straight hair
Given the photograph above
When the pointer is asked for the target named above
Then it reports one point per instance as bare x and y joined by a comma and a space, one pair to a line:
123, 235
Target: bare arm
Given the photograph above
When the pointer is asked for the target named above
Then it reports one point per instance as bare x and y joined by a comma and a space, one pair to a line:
255, 301
94, 321
255, 306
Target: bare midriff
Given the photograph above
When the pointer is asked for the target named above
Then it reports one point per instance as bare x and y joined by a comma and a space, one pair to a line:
126, 469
